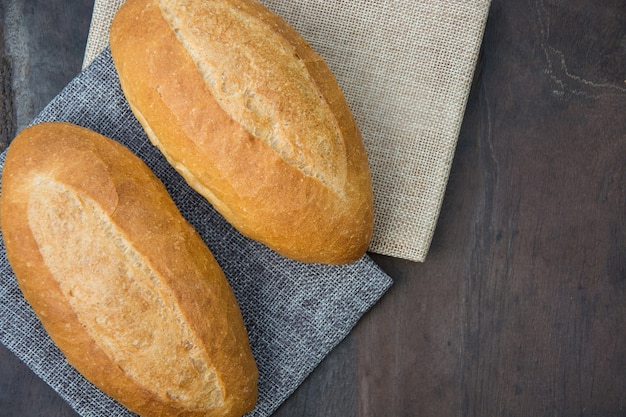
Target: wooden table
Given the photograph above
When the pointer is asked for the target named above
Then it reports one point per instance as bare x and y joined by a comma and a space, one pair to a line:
520, 308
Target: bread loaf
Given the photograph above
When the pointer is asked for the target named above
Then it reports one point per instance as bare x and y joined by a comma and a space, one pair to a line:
252, 118
121, 282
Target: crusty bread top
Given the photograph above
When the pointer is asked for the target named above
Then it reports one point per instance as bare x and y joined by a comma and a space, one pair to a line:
261, 129
122, 283
260, 81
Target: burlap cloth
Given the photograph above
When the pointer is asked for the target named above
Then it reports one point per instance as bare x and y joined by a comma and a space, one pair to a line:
406, 68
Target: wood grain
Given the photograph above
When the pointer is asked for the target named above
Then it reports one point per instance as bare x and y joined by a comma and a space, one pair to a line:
7, 125
519, 309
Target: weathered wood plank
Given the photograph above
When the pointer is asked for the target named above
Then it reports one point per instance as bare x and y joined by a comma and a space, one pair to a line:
520, 307
7, 123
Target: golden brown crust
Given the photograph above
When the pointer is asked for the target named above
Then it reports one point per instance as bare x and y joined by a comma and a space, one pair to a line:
122, 283
313, 205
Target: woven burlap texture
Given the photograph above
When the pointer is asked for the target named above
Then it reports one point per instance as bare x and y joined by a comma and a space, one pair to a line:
406, 69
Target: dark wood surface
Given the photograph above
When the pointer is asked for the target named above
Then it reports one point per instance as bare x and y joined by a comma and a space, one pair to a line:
520, 307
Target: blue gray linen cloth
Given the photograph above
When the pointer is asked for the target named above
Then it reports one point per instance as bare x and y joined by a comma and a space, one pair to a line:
295, 313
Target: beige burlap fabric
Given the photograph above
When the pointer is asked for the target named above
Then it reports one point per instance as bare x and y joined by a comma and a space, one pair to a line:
406, 69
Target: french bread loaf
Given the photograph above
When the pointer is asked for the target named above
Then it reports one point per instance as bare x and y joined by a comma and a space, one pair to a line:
252, 118
122, 283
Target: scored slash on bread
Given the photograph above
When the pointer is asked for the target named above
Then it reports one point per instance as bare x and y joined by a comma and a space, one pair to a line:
121, 282
252, 118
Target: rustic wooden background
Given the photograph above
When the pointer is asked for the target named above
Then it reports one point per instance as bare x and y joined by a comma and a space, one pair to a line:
520, 308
